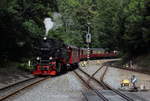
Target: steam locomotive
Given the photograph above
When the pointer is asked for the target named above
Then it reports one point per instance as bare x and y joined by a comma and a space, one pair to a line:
55, 57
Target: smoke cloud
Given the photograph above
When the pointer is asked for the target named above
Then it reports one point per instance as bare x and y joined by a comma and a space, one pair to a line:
48, 25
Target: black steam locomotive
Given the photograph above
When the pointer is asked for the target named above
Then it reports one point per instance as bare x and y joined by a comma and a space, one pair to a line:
51, 55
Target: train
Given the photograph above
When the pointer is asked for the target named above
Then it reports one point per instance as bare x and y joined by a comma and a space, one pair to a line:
55, 57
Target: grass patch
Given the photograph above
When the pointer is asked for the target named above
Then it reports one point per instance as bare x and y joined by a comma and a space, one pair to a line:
25, 67
13, 66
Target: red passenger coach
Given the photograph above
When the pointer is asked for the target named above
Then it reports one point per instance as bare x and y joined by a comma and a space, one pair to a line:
83, 54
96, 53
74, 55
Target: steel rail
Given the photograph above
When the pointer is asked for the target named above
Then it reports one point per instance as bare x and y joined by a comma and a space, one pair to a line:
97, 71
114, 90
92, 88
12, 85
25, 87
118, 92
91, 77
106, 86
128, 69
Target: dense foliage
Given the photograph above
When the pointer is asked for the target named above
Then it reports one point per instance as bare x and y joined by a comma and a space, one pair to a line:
115, 24
21, 24
121, 25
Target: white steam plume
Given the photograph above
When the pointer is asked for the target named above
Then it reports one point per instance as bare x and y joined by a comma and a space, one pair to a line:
48, 24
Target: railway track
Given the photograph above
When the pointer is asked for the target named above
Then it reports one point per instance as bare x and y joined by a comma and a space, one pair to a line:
12, 85
102, 84
100, 95
111, 64
11, 90
114, 90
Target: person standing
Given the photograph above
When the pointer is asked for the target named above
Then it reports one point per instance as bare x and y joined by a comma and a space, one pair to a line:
134, 81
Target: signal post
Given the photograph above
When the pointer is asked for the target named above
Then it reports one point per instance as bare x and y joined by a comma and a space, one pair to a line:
88, 41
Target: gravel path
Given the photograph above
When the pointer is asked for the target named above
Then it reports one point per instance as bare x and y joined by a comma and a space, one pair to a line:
114, 76
66, 87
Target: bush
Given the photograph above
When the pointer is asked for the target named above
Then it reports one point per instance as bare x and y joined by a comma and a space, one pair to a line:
25, 67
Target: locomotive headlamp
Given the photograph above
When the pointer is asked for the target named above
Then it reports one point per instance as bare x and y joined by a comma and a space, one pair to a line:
50, 58
45, 38
38, 58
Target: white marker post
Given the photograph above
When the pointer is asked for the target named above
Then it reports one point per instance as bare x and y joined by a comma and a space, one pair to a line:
29, 63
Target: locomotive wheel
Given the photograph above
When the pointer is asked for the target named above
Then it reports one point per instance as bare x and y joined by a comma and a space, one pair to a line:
77, 65
58, 67
73, 66
64, 68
